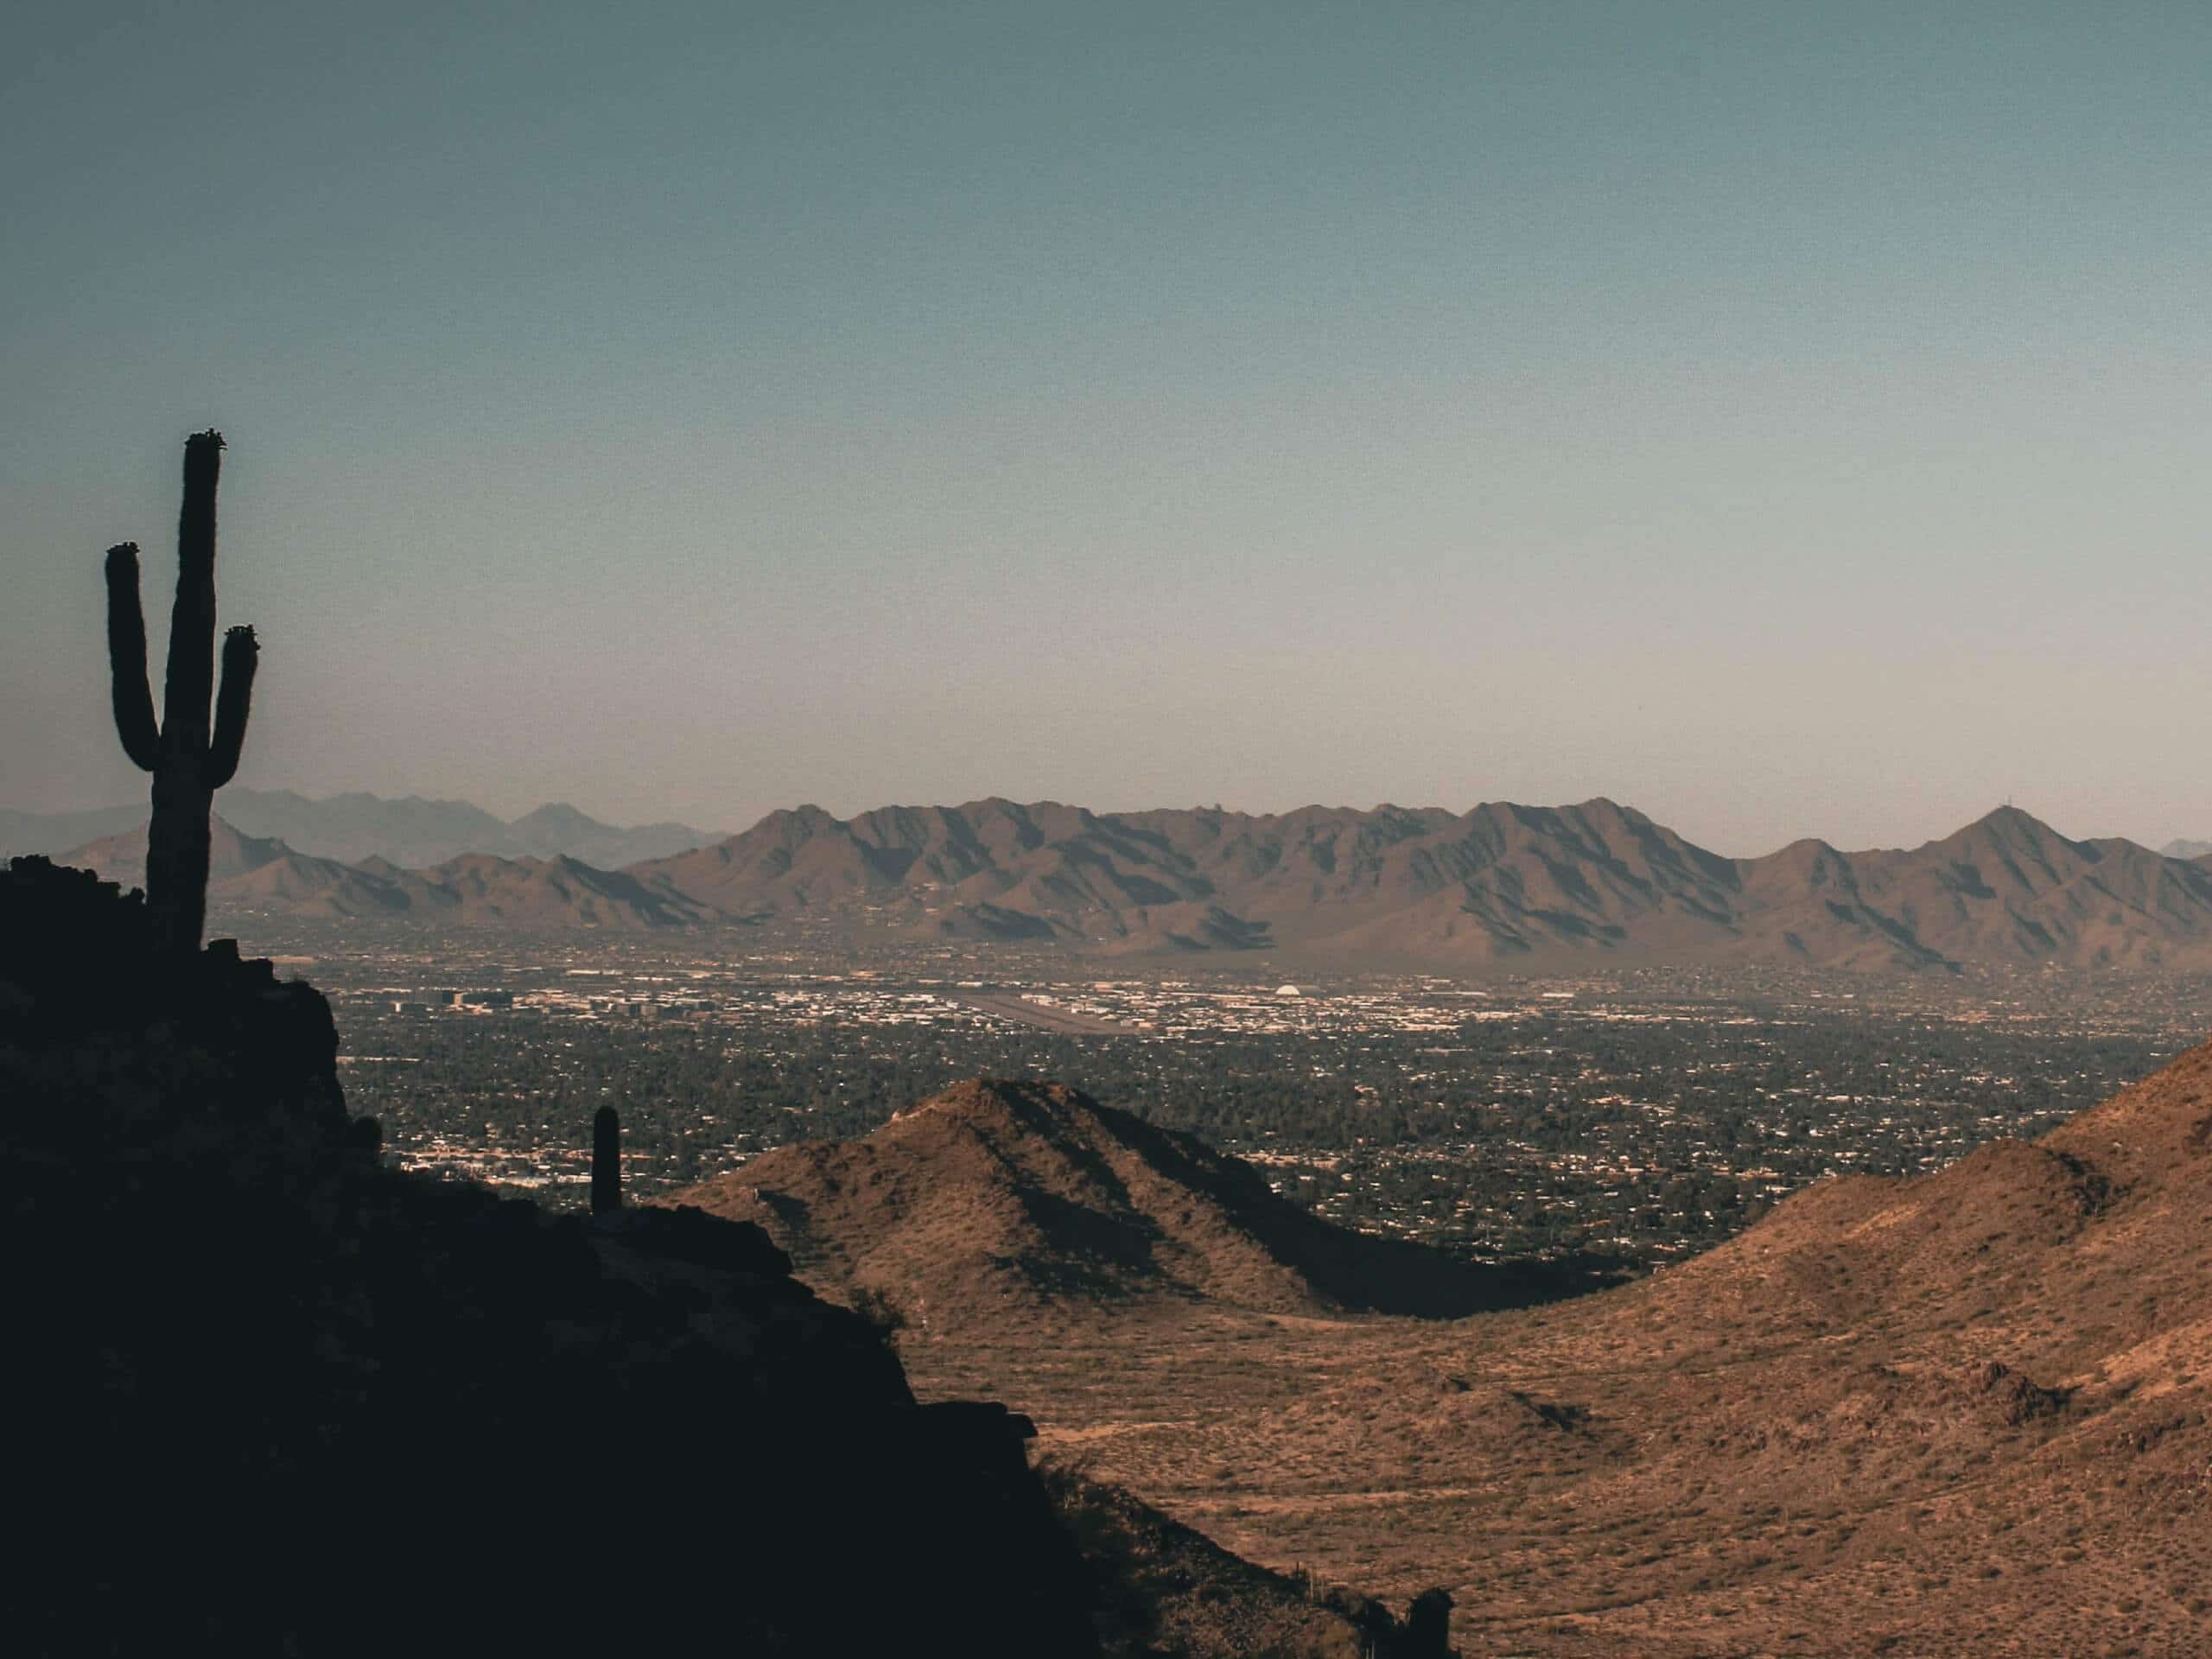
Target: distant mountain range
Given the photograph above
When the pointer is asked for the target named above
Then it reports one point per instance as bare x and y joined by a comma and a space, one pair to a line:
413, 833
256, 876
2187, 849
1500, 886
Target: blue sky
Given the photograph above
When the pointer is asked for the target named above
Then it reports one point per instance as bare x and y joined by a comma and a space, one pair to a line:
1791, 420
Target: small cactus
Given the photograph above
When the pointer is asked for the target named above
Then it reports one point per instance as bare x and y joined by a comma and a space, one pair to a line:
189, 760
606, 1160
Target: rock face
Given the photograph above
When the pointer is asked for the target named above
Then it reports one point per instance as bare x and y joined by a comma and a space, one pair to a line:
286, 1399
998, 1199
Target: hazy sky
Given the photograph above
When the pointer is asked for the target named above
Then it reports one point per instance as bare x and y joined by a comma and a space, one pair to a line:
1788, 418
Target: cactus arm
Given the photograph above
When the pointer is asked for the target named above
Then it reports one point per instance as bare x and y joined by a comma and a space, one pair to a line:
241, 656
126, 656
192, 624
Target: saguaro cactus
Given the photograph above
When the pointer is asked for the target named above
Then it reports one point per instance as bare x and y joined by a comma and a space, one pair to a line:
606, 1160
189, 762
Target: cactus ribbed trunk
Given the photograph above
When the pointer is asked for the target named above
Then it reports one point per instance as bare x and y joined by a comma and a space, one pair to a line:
189, 760
179, 838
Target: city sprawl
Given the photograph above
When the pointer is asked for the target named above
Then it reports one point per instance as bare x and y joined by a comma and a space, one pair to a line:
1629, 1116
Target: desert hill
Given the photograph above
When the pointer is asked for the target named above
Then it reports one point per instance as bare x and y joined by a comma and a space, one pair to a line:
1968, 1412
546, 893
2005, 888
995, 1201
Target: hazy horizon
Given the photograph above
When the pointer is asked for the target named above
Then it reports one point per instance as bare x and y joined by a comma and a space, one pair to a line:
849, 812
1785, 423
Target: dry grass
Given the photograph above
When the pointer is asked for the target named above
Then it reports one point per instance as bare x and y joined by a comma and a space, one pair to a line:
1962, 1415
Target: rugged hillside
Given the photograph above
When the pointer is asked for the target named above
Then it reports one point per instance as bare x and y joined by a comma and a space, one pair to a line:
1501, 886
256, 1358
412, 832
1970, 1412
1171, 1590
1498, 888
996, 1201
250, 875
545, 893
2005, 888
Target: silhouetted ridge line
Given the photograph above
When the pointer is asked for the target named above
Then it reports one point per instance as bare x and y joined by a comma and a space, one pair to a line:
236, 1301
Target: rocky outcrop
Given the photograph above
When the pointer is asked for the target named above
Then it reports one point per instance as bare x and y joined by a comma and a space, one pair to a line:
1003, 1200
279, 1397
1166, 1589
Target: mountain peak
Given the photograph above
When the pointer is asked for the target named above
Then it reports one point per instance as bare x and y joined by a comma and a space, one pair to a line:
2011, 817
1000, 1199
994, 1099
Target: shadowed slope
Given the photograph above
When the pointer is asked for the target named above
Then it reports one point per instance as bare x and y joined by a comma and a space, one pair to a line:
998, 1199
260, 1362
1968, 1412
1170, 1591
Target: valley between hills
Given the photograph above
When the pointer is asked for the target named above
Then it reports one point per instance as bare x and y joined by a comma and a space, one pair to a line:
1967, 1413
1502, 888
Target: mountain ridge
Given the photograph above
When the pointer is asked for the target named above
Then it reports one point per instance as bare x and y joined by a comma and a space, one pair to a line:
260, 874
1500, 887
412, 831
